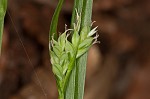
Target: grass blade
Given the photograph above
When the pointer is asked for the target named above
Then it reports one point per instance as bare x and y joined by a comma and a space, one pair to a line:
78, 4
3, 7
54, 22
72, 90
80, 75
82, 61
87, 13
53, 32
75, 89
71, 85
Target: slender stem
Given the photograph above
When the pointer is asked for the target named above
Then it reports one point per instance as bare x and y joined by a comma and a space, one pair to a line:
67, 78
70, 67
61, 96
3, 8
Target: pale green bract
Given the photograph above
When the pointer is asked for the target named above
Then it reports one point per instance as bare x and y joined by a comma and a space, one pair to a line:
64, 53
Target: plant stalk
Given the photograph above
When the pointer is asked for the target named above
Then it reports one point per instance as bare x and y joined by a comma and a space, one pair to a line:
61, 96
3, 8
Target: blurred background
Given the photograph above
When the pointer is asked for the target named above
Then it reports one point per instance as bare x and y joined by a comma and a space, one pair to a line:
117, 68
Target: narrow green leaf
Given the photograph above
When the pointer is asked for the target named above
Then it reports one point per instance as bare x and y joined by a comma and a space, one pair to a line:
3, 8
54, 22
1, 32
77, 6
86, 13
71, 85
82, 61
70, 92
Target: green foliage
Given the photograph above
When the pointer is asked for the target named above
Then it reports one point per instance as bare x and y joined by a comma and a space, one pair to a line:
69, 58
64, 55
77, 80
54, 22
3, 7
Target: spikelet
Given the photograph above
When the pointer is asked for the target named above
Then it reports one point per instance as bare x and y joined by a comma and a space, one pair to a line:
64, 52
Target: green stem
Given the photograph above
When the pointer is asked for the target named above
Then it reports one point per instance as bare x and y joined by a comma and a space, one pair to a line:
3, 8
77, 6
68, 75
1, 32
61, 96
70, 68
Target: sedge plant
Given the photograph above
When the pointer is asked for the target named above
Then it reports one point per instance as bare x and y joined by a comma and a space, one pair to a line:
3, 7
69, 56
